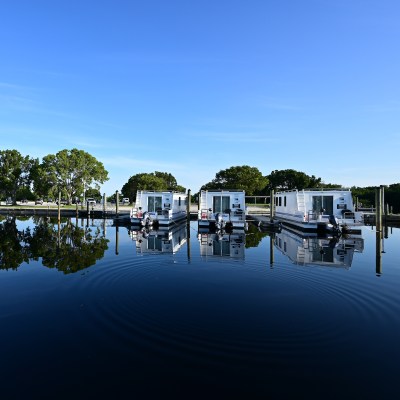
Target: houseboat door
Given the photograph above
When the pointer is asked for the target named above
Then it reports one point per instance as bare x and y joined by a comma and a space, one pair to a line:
221, 203
323, 202
154, 203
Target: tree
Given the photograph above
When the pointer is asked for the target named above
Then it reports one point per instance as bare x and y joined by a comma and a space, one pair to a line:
246, 178
14, 173
70, 172
289, 179
157, 181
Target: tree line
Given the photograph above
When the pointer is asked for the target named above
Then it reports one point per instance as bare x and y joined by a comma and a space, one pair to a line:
75, 173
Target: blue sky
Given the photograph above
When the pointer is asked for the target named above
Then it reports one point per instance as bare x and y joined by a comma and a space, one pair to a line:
194, 87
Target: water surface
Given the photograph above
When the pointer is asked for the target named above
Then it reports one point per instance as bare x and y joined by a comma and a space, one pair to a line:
88, 309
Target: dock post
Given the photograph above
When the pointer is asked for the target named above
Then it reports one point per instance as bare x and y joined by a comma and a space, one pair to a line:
104, 205
356, 203
378, 207
188, 204
59, 207
116, 202
271, 205
77, 209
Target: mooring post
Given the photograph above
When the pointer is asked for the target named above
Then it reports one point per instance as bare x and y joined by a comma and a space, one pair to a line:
59, 207
356, 203
76, 208
104, 205
188, 204
378, 211
116, 202
271, 205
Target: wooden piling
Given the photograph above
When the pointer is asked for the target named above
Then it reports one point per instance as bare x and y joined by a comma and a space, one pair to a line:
59, 207
271, 205
116, 203
188, 203
104, 205
378, 206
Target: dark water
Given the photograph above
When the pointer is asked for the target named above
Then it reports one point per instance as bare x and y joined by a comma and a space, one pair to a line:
101, 312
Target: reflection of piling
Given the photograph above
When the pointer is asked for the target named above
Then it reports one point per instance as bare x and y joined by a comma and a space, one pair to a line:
116, 239
378, 253
271, 250
188, 239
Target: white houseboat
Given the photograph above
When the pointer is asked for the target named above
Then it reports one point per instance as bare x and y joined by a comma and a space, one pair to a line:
316, 210
222, 209
158, 208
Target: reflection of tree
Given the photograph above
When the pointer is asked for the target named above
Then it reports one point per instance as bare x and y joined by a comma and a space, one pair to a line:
254, 236
69, 249
13, 248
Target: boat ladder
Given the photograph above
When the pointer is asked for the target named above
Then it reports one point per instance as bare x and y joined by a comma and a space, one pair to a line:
203, 200
139, 199
300, 202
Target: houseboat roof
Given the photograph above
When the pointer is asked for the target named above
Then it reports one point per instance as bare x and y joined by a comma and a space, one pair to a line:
161, 191
335, 190
223, 190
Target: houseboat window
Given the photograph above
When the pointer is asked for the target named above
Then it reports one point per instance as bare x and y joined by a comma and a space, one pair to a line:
153, 203
323, 203
179, 201
280, 200
221, 203
284, 201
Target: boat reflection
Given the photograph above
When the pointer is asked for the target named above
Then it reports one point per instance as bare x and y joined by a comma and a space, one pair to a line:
222, 244
153, 241
327, 251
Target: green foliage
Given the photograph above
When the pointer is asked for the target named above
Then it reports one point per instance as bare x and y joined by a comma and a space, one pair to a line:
14, 172
289, 179
92, 192
366, 196
246, 178
69, 172
157, 181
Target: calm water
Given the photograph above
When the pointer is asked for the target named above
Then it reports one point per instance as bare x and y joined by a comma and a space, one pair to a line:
99, 311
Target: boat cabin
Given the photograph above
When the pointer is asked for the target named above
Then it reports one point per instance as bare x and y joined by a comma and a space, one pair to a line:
219, 209
316, 208
159, 208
